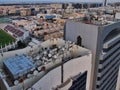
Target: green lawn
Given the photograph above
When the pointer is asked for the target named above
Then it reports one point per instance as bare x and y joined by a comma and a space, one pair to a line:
5, 38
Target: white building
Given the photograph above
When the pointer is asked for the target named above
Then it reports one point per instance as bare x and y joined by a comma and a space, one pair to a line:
49, 16
103, 39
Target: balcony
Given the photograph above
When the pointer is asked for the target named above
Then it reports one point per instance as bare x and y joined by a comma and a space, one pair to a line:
115, 55
106, 54
111, 42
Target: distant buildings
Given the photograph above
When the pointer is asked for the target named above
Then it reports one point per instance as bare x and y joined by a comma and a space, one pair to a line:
49, 63
25, 12
81, 5
49, 16
102, 38
40, 28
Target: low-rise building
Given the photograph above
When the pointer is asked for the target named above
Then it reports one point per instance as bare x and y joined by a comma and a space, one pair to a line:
16, 32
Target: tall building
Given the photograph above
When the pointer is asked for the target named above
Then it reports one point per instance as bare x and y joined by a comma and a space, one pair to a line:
79, 82
103, 39
118, 81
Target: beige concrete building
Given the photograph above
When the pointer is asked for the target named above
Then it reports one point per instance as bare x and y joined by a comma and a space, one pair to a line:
25, 12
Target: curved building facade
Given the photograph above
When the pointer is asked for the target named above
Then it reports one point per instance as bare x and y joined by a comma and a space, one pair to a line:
104, 42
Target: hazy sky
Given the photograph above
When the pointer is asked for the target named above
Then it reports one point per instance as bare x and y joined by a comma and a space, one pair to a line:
13, 1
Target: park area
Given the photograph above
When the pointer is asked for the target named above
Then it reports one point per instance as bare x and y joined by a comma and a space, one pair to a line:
5, 38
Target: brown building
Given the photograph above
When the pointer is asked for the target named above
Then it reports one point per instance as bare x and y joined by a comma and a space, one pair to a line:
25, 12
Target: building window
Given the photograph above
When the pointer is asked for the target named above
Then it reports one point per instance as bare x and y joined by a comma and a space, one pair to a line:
79, 40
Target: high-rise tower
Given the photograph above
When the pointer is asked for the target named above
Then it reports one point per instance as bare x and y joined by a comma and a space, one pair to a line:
103, 39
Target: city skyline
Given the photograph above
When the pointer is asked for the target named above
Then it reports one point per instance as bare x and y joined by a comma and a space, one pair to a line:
59, 45
45, 1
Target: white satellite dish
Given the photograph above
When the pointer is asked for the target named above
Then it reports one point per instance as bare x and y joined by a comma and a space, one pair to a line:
32, 69
29, 75
38, 57
69, 41
35, 72
43, 58
55, 56
55, 49
39, 68
16, 82
59, 47
45, 63
63, 49
49, 55
45, 52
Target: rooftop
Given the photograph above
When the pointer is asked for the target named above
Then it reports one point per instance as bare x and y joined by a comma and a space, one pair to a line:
44, 57
18, 65
98, 16
54, 49
50, 16
14, 31
102, 21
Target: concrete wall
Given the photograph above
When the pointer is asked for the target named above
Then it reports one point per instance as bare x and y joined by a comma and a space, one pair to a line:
89, 35
78, 65
50, 80
71, 69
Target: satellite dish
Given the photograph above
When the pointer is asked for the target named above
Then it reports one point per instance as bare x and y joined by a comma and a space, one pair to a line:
35, 72
55, 56
45, 52
43, 58
55, 49
63, 49
45, 63
49, 55
70, 42
39, 68
37, 57
16, 82
29, 75
32, 69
